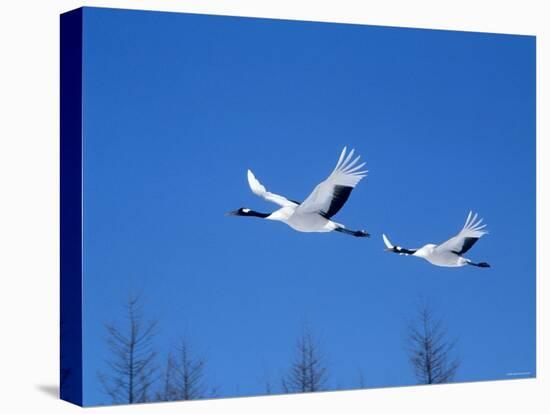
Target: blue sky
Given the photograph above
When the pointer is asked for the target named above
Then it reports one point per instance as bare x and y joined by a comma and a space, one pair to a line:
177, 107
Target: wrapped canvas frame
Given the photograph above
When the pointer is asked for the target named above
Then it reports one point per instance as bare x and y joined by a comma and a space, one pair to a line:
73, 215
71, 208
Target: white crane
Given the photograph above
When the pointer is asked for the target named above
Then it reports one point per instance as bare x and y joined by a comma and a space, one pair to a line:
449, 253
315, 213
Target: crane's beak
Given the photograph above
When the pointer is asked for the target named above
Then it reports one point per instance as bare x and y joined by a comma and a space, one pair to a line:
232, 213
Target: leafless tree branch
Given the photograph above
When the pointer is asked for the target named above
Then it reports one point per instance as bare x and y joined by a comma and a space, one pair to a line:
431, 353
132, 370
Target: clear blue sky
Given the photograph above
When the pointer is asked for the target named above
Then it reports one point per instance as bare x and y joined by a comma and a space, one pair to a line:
177, 107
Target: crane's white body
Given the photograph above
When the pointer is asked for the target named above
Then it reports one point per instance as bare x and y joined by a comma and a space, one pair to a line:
304, 222
440, 258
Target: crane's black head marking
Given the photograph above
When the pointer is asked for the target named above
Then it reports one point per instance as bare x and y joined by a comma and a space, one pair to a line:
246, 212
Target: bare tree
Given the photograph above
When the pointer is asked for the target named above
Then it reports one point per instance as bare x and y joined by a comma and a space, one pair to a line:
184, 377
132, 369
431, 352
361, 379
167, 391
268, 388
308, 372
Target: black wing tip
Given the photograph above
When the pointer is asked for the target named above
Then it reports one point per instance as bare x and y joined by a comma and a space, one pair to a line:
467, 245
340, 195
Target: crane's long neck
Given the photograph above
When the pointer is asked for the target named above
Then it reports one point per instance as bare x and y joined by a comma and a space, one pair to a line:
253, 213
402, 250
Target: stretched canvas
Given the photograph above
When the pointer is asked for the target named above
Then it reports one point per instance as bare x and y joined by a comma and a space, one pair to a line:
255, 206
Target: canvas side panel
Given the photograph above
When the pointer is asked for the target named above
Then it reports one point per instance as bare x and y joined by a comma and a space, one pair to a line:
71, 207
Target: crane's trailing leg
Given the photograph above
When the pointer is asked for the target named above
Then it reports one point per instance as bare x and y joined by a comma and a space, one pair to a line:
356, 233
480, 264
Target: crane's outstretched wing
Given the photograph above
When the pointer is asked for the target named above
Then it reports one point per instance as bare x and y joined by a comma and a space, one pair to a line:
258, 189
471, 232
396, 249
329, 196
